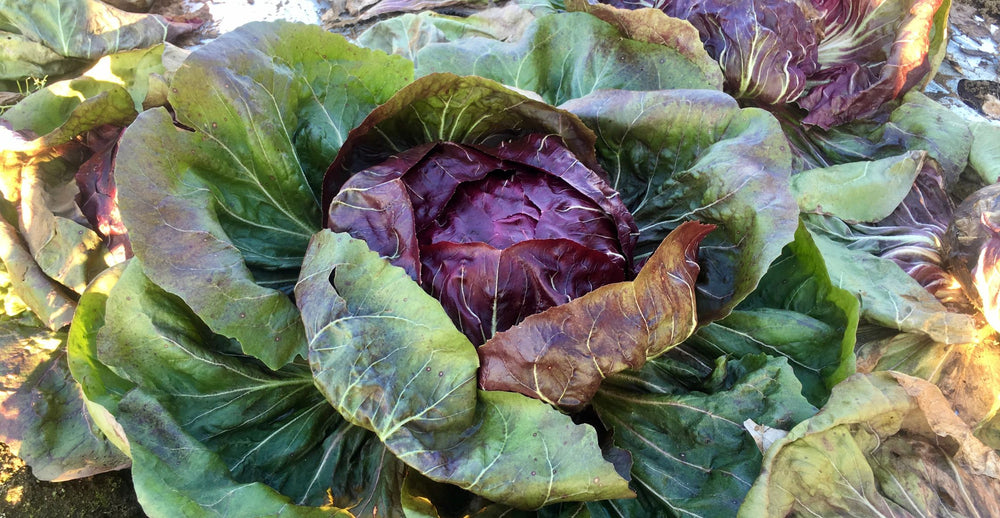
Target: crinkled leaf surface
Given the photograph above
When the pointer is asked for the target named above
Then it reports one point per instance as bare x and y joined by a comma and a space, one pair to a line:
796, 312
890, 297
493, 233
464, 110
695, 155
388, 358
44, 419
886, 444
221, 215
205, 424
858, 191
691, 455
562, 354
568, 55
966, 373
650, 26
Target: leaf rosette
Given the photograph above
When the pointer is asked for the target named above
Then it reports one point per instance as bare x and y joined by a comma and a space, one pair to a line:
497, 207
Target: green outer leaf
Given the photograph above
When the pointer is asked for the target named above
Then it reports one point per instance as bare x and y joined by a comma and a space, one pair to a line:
167, 218
796, 312
235, 422
45, 421
890, 297
45, 297
922, 123
83, 28
221, 216
387, 356
102, 388
176, 475
858, 191
407, 34
21, 57
682, 154
984, 156
569, 55
886, 444
651, 25
917, 123
691, 454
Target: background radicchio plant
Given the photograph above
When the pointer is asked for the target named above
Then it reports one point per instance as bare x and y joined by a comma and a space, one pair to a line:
838, 60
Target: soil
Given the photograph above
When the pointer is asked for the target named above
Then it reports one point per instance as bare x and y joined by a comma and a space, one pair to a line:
24, 496
987, 7
112, 494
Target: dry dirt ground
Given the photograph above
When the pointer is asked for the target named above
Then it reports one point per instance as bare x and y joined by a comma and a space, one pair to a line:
23, 496
111, 494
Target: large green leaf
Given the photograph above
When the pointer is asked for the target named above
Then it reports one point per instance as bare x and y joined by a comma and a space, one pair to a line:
102, 388
44, 416
407, 34
890, 297
691, 452
221, 215
388, 357
24, 58
681, 154
176, 475
797, 312
886, 444
858, 191
205, 423
917, 123
85, 29
984, 156
568, 55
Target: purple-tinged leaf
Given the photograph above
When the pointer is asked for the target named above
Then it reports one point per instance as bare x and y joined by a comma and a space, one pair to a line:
98, 196
561, 355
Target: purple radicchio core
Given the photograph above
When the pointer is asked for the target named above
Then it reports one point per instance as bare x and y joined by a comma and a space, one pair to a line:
494, 233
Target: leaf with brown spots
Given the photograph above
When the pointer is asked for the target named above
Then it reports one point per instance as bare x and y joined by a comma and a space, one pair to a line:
561, 355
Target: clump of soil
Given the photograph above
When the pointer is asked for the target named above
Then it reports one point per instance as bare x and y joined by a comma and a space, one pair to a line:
24, 496
987, 7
